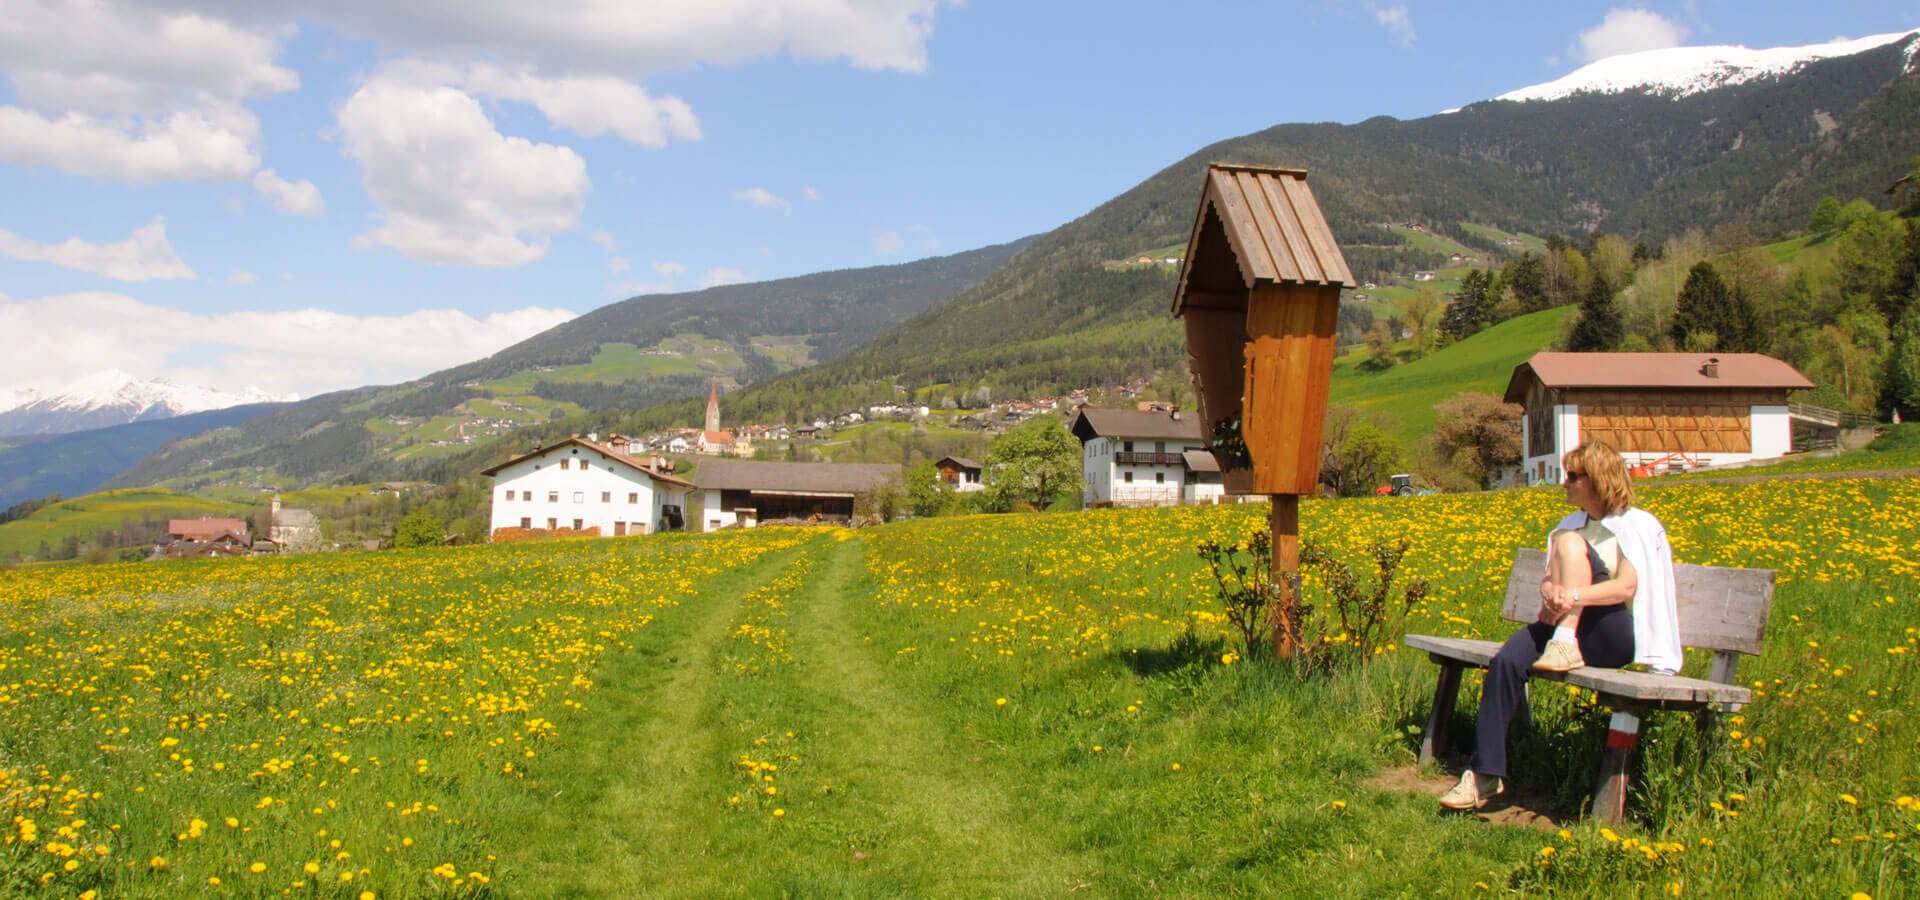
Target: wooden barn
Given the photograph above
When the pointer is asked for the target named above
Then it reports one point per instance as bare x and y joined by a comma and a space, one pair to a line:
1660, 410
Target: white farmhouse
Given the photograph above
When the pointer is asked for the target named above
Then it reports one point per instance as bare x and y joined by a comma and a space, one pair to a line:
1660, 410
1139, 458
579, 485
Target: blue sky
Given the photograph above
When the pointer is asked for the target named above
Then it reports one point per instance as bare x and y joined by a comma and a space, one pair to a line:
305, 196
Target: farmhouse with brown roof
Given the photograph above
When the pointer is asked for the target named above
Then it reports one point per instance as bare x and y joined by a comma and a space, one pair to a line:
1693, 409
1144, 458
739, 492
580, 485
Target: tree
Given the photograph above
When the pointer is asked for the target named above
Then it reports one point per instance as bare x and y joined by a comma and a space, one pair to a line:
1471, 308
926, 495
1599, 327
1362, 461
1525, 283
1380, 355
419, 529
1826, 215
1710, 317
1900, 391
1478, 434
1420, 314
1038, 462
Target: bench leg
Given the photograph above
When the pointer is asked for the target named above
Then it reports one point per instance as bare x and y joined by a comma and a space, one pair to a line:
1444, 695
1610, 795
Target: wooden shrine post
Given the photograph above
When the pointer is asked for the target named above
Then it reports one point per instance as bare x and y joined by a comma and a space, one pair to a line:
1260, 294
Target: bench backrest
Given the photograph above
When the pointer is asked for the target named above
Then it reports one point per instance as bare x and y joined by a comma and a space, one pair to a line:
1720, 609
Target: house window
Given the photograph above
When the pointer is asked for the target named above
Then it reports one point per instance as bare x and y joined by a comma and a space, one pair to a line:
509, 495
1159, 478
1127, 447
553, 496
526, 522
606, 496
565, 464
583, 465
1126, 477
633, 497
552, 524
576, 525
579, 496
1159, 446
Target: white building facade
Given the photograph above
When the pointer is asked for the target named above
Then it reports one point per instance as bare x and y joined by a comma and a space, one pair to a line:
578, 485
1144, 458
1661, 411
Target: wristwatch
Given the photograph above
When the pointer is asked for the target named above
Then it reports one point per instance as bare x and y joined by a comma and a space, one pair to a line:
1576, 599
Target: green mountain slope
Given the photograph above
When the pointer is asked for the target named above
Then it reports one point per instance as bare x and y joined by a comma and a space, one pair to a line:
1060, 313
1406, 394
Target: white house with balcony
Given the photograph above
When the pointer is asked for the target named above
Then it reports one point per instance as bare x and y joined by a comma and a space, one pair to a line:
582, 486
1144, 458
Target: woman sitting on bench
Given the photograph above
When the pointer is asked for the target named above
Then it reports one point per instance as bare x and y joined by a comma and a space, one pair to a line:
1596, 609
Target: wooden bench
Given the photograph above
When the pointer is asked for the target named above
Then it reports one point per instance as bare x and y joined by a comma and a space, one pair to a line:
1722, 610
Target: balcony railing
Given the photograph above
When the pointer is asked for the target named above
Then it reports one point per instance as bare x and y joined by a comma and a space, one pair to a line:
1149, 459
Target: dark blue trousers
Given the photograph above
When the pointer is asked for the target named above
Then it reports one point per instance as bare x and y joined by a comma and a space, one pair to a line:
1606, 641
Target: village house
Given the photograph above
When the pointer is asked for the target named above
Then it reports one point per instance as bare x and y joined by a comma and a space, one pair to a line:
960, 473
742, 493
582, 485
1144, 458
1660, 410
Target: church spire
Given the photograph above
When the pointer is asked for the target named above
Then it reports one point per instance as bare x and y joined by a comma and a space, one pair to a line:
713, 404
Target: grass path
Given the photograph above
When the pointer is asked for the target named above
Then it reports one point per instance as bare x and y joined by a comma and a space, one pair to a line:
926, 811
875, 797
615, 806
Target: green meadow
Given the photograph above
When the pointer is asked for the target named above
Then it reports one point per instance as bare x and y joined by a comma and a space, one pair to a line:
974, 706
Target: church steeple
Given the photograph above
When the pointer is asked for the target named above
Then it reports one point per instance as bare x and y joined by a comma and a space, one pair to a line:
713, 405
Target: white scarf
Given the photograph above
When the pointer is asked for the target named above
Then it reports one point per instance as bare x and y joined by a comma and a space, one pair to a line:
1656, 609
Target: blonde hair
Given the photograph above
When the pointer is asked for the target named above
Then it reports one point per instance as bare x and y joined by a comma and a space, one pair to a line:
1604, 468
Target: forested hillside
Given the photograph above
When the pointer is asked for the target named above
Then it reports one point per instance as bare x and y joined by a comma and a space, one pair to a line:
1061, 313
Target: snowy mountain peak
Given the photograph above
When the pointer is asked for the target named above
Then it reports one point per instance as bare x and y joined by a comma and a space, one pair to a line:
114, 397
1680, 71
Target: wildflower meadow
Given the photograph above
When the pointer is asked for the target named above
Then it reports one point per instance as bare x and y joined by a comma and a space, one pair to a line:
989, 705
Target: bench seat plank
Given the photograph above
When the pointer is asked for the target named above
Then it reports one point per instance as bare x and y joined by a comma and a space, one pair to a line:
1639, 687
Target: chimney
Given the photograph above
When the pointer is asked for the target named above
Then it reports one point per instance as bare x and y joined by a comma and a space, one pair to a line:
1712, 368
1175, 412
593, 436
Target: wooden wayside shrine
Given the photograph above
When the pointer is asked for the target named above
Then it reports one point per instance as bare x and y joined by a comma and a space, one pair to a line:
1260, 294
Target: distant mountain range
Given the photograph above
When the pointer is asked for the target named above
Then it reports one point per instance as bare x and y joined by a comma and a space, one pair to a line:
1690, 141
113, 397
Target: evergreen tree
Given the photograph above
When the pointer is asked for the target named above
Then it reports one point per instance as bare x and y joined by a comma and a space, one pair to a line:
1525, 279
1472, 306
1900, 391
1713, 315
1600, 326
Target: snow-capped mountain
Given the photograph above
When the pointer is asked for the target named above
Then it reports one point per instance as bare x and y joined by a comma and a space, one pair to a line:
1680, 71
110, 398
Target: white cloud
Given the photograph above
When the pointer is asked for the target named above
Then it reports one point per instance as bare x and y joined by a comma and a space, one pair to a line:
594, 105
668, 268
718, 276
1626, 30
886, 242
120, 90
454, 191
242, 276
812, 193
181, 146
144, 256
636, 39
617, 264
605, 239
298, 197
1398, 23
304, 351
765, 199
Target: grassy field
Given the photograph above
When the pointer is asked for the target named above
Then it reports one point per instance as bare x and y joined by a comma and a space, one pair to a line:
976, 706
1406, 394
107, 510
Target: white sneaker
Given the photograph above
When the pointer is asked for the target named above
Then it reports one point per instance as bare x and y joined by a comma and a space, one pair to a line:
1472, 792
1561, 656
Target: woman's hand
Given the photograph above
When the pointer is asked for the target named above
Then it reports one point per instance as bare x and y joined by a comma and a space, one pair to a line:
1556, 602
